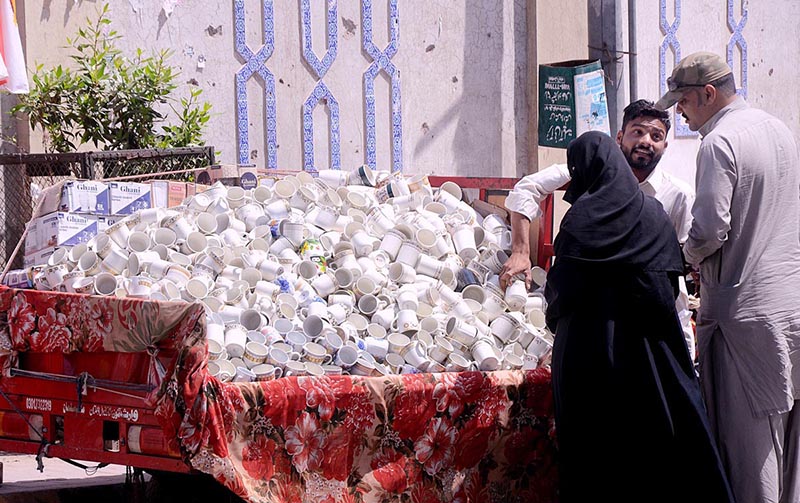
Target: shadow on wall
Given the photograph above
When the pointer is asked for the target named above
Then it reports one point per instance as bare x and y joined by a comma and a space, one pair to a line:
477, 141
68, 5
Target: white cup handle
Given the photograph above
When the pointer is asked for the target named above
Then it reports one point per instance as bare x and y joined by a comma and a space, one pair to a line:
327, 359
278, 372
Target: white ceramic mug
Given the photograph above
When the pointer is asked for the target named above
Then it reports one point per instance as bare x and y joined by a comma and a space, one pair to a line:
235, 339
139, 286
316, 353
409, 253
362, 367
391, 242
402, 273
461, 331
376, 347
116, 261
368, 304
266, 372
364, 286
252, 319
539, 346
297, 340
416, 356
255, 353
277, 357
293, 231
505, 328
464, 241
485, 356
346, 356
440, 350
398, 342
105, 284
406, 321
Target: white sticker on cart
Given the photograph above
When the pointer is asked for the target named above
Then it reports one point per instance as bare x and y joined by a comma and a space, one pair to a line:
131, 415
40, 404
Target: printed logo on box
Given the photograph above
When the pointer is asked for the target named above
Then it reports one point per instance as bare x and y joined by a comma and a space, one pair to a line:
85, 196
38, 258
128, 198
106, 221
248, 181
65, 229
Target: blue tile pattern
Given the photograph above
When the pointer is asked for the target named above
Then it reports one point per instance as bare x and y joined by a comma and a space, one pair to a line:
255, 64
319, 67
382, 60
671, 42
737, 38
321, 91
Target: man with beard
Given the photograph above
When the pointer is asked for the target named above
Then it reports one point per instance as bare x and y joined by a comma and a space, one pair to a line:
642, 139
745, 238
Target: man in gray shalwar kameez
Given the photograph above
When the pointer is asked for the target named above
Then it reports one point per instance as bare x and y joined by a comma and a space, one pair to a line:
745, 237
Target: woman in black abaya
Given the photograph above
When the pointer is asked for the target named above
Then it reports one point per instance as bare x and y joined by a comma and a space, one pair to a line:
630, 419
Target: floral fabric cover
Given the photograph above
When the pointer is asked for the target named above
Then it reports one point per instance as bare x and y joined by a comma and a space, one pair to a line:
418, 438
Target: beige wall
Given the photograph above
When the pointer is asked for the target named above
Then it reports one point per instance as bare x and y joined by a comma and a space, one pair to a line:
562, 35
772, 66
467, 73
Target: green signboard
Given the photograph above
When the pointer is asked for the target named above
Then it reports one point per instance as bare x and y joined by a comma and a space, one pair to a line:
572, 100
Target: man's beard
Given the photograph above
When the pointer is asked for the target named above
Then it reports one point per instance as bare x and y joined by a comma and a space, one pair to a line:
643, 164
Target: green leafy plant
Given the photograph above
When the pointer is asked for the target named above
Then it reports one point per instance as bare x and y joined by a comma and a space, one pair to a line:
110, 100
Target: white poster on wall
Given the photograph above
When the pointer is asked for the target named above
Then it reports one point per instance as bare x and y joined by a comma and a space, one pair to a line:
591, 109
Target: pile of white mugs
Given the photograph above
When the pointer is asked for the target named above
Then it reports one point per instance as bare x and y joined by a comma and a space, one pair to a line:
348, 272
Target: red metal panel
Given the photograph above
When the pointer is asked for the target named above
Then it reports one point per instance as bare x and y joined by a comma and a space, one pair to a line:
83, 432
82, 429
491, 183
117, 458
545, 245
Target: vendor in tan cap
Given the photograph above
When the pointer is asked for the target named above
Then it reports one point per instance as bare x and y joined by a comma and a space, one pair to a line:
745, 238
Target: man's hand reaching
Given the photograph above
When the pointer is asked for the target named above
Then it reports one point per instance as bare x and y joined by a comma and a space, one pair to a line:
518, 263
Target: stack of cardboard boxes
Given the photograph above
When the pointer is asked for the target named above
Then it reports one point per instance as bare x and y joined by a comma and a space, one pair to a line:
89, 207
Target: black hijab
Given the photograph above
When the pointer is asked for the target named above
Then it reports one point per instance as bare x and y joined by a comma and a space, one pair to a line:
611, 220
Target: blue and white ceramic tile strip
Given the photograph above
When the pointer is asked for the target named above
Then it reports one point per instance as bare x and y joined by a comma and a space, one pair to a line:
255, 64
671, 42
321, 91
382, 60
737, 38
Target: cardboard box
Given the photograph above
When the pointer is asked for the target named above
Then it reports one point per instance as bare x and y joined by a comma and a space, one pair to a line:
166, 193
127, 198
106, 221
65, 229
32, 238
177, 193
38, 258
242, 175
85, 196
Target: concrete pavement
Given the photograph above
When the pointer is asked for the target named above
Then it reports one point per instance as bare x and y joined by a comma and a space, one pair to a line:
64, 483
